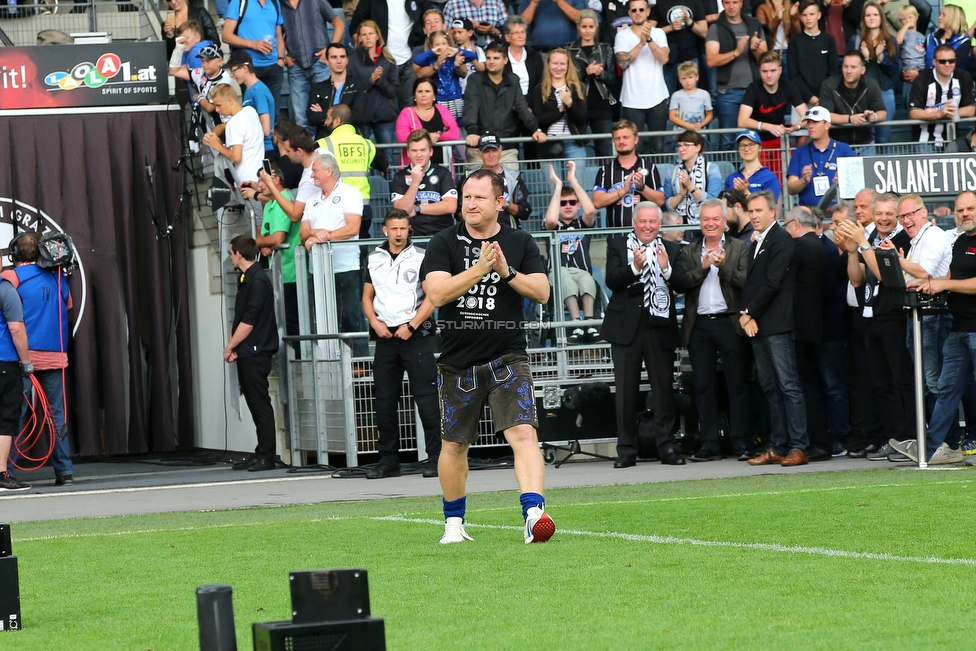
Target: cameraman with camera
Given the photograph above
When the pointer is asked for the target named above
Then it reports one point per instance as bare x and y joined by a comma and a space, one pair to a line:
960, 346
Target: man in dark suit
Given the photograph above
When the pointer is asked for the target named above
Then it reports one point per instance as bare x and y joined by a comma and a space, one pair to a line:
716, 268
767, 318
810, 262
644, 273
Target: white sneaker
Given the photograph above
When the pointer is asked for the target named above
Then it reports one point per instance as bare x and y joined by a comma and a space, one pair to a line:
945, 455
454, 531
539, 527
908, 448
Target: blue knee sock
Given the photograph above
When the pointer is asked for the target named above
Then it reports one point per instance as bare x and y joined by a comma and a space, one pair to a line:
455, 508
529, 500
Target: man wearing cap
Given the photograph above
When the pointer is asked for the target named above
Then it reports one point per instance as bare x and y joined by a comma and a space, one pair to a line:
493, 101
767, 102
209, 74
854, 100
813, 168
256, 95
256, 26
753, 176
486, 18
306, 38
516, 194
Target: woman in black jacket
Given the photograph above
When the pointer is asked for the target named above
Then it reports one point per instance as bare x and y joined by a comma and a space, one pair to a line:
596, 69
376, 75
558, 104
182, 12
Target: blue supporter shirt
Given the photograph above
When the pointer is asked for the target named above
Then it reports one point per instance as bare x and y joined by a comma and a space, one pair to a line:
550, 27
259, 97
258, 24
824, 163
761, 179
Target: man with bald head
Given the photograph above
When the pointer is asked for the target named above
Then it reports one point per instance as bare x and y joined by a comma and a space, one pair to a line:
959, 352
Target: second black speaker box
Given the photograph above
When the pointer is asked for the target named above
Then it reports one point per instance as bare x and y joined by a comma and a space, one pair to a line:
329, 595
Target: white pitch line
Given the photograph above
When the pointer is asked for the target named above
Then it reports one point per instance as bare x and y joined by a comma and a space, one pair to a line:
690, 498
142, 489
672, 540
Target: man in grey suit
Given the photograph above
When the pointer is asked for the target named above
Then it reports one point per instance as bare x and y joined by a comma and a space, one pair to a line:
716, 268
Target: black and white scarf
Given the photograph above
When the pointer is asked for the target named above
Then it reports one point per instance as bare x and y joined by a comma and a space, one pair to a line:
657, 295
688, 207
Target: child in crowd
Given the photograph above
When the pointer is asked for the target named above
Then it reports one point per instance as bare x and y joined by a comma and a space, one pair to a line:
193, 40
463, 32
812, 54
911, 42
690, 107
448, 63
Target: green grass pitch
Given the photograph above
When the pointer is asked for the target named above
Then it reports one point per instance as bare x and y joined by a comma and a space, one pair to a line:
845, 560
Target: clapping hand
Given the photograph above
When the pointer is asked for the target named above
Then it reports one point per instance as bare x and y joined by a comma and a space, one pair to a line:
377, 73
640, 258
554, 178
662, 256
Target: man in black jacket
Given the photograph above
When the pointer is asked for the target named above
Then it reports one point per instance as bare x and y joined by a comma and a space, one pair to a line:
767, 317
493, 101
644, 273
253, 342
854, 101
323, 94
810, 262
405, 17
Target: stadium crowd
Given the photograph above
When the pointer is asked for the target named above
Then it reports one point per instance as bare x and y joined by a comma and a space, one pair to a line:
815, 348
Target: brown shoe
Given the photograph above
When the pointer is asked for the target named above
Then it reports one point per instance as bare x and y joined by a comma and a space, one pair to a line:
766, 458
795, 458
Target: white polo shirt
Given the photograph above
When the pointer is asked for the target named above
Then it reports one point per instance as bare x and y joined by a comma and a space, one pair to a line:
329, 212
931, 250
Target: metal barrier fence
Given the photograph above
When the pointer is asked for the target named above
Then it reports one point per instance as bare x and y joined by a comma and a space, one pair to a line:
28, 22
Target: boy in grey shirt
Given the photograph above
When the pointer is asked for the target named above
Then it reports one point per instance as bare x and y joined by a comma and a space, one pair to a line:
910, 42
691, 107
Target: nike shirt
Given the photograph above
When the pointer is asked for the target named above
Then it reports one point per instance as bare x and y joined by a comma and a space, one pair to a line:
771, 108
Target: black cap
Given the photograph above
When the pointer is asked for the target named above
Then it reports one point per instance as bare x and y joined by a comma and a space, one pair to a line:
489, 141
239, 58
210, 52
462, 23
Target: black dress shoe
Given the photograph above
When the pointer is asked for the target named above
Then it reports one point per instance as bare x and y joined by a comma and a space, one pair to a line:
624, 462
382, 471
430, 470
672, 458
819, 454
64, 480
245, 464
262, 464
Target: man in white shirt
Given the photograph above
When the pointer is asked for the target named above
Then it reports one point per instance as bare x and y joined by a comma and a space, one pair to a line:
928, 257
642, 51
243, 134
334, 215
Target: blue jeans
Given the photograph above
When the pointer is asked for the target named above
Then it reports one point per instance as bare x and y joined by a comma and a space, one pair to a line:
831, 362
379, 132
273, 77
349, 301
883, 134
300, 80
726, 107
957, 371
776, 367
935, 331
51, 382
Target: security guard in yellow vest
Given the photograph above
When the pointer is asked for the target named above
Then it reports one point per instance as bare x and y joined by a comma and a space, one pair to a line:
355, 156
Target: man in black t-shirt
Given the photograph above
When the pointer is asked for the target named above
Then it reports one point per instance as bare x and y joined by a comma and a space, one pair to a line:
477, 273
626, 180
253, 342
424, 190
765, 105
959, 350
684, 23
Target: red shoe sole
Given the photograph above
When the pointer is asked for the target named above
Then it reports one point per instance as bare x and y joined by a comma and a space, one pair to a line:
543, 529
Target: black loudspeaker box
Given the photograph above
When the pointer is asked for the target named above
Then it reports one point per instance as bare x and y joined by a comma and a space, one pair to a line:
354, 635
9, 595
329, 595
